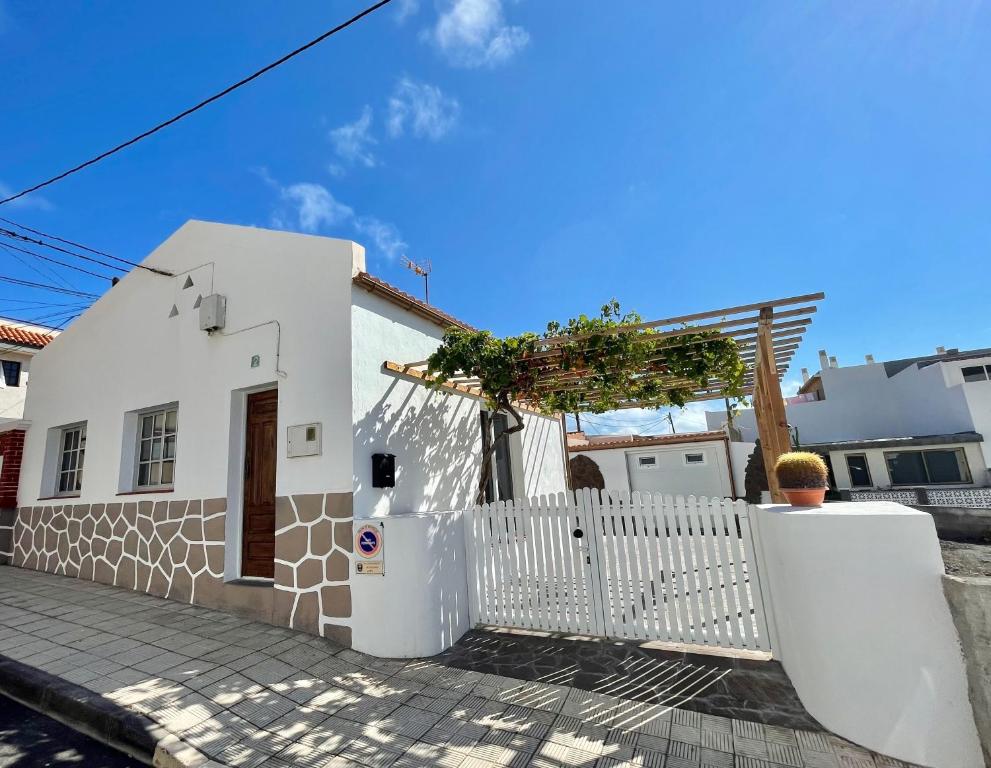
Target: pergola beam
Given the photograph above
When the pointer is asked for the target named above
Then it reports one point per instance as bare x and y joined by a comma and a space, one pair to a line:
769, 406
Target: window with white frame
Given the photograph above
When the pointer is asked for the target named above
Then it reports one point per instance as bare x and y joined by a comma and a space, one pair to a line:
72, 451
647, 462
156, 449
694, 459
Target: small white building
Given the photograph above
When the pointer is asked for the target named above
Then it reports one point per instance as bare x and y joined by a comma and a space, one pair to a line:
690, 464
19, 342
921, 422
224, 452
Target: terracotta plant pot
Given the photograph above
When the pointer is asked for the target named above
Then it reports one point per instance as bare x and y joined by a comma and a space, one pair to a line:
804, 497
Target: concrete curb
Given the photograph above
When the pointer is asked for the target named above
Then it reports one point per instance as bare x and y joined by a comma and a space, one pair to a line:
90, 713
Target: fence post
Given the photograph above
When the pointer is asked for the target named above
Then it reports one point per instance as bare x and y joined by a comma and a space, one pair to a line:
469, 519
763, 582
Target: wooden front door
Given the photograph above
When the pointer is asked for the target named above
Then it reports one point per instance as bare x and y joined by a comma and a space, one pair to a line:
258, 519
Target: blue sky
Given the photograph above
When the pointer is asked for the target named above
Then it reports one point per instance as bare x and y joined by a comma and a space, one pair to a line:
546, 156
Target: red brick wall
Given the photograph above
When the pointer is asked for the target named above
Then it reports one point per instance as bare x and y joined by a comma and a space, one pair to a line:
11, 447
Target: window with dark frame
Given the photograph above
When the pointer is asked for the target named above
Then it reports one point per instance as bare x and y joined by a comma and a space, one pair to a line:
157, 433
928, 467
72, 451
647, 462
976, 372
860, 473
11, 373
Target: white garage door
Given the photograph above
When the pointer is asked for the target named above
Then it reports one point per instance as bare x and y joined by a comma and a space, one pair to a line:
697, 470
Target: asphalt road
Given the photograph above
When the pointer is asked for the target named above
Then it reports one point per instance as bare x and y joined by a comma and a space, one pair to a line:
28, 739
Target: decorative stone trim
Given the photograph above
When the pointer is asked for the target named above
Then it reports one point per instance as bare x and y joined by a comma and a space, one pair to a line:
313, 563
175, 549
979, 498
902, 497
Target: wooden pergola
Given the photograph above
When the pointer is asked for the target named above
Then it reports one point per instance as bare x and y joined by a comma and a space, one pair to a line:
767, 335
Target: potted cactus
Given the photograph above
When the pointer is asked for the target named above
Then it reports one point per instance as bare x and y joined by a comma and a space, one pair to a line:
802, 477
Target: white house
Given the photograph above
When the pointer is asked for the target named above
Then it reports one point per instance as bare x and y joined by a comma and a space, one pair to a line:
231, 466
920, 422
19, 341
694, 463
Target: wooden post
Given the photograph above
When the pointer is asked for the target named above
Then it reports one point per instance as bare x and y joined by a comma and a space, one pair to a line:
769, 406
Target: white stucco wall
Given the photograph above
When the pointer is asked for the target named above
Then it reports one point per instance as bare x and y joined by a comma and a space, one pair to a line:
419, 605
863, 629
741, 453
862, 403
978, 395
126, 353
619, 467
434, 435
12, 398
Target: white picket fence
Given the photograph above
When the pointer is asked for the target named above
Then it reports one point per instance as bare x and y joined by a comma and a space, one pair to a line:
643, 567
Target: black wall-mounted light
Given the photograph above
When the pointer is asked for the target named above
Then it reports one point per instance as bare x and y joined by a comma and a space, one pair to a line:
383, 470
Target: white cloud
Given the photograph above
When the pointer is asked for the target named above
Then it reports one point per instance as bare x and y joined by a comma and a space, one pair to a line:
405, 9
384, 235
311, 208
474, 33
423, 108
33, 201
352, 141
315, 206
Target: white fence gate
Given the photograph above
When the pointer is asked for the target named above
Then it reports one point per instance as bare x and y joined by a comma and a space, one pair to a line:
644, 567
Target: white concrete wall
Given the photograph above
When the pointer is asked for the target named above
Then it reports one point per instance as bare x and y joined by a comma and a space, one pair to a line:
419, 606
12, 398
978, 395
435, 435
862, 403
126, 353
612, 464
863, 629
671, 475
741, 452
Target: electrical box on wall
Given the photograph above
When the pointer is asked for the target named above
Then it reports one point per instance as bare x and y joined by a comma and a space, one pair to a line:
383, 470
304, 440
213, 312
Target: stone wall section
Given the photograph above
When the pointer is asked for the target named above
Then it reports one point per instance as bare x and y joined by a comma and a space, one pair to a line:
313, 534
970, 605
175, 550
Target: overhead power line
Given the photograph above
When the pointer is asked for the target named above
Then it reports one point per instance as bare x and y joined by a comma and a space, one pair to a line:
24, 238
200, 105
46, 273
47, 287
67, 242
8, 246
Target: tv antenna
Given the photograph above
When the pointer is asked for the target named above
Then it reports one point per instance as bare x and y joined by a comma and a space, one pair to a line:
423, 269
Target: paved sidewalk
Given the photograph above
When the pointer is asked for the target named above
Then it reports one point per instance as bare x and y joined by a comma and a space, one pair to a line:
247, 694
734, 687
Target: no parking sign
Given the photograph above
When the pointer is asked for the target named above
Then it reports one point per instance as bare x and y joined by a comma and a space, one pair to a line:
368, 542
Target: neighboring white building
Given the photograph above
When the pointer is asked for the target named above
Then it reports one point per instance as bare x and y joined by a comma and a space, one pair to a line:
690, 464
917, 422
231, 467
19, 342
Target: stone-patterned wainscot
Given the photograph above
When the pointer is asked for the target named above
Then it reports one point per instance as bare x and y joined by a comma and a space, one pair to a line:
175, 550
